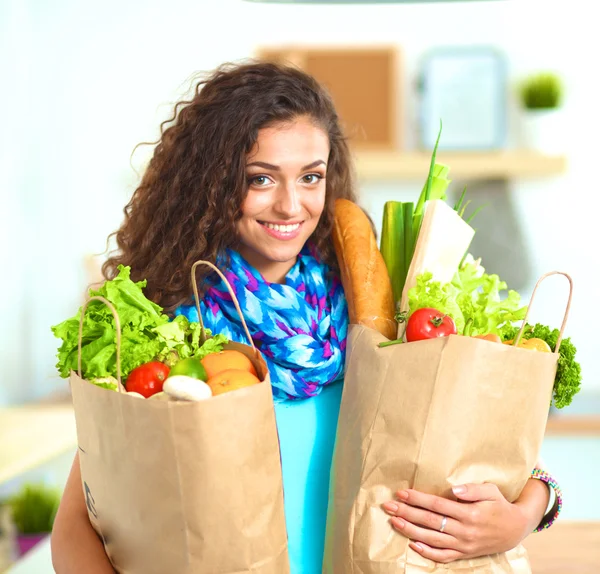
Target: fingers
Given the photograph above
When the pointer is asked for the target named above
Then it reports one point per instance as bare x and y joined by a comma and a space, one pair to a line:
432, 538
477, 492
435, 504
443, 555
421, 517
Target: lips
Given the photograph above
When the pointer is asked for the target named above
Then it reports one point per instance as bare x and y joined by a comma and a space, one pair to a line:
283, 227
283, 231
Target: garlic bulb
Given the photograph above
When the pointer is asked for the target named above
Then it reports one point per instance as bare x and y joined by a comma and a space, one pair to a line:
183, 388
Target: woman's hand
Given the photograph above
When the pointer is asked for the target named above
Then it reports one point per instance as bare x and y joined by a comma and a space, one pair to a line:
482, 521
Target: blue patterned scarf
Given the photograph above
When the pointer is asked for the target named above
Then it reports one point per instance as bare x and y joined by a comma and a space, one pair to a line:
300, 326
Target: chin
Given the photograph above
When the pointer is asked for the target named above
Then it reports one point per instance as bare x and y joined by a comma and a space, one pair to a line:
282, 255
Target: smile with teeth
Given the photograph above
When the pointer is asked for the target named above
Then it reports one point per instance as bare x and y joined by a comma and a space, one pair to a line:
281, 228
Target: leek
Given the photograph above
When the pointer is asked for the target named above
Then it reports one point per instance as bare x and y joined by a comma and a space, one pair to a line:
402, 223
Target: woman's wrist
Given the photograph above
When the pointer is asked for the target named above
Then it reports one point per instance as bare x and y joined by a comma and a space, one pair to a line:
533, 503
541, 476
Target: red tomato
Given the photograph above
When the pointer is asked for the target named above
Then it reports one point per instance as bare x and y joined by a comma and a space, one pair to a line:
428, 323
147, 379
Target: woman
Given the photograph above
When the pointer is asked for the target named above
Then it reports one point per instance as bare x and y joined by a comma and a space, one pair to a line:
246, 176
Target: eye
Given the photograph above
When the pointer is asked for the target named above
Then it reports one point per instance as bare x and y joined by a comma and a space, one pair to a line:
312, 178
258, 180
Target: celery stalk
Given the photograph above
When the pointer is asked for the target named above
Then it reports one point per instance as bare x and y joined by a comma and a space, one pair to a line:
409, 243
391, 245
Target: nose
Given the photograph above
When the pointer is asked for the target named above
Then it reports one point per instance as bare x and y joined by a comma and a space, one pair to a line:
288, 200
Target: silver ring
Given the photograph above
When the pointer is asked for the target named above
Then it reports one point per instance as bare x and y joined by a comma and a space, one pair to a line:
444, 521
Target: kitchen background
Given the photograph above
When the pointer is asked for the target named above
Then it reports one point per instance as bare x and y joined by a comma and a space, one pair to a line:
84, 83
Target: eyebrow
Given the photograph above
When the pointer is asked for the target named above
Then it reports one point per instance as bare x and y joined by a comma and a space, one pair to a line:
277, 168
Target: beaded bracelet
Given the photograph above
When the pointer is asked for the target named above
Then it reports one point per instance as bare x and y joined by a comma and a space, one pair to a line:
551, 516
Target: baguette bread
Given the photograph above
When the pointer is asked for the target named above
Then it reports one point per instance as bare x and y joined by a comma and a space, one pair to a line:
364, 276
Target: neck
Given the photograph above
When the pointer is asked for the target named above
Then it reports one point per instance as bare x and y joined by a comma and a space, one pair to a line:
272, 271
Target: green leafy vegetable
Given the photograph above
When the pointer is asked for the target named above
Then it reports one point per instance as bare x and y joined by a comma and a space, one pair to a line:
147, 333
213, 344
473, 299
109, 383
568, 373
481, 299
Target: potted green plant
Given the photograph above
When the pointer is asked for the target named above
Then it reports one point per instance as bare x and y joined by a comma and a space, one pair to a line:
33, 510
7, 537
541, 96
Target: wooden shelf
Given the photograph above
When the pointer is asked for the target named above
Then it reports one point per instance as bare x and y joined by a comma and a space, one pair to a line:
33, 435
573, 425
391, 165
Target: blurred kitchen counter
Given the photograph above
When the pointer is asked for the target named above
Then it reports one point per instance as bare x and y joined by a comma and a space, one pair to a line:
31, 435
565, 548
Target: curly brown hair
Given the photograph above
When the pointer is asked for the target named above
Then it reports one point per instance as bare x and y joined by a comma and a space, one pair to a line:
191, 194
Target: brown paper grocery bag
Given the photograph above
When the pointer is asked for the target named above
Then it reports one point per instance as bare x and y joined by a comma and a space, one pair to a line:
430, 415
184, 487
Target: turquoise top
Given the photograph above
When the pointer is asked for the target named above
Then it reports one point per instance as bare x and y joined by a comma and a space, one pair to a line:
307, 430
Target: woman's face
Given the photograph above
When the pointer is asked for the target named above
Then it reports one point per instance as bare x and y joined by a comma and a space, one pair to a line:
286, 172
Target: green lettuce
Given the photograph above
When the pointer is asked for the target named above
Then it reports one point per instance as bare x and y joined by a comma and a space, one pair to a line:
430, 293
147, 333
182, 337
473, 299
109, 383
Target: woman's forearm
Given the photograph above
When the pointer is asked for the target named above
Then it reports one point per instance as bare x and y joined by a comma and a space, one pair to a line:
76, 548
534, 502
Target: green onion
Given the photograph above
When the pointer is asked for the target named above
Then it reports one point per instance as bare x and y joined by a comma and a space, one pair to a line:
435, 187
459, 203
460, 207
426, 193
470, 218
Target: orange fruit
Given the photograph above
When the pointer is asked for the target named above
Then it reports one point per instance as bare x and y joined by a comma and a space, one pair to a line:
231, 380
214, 363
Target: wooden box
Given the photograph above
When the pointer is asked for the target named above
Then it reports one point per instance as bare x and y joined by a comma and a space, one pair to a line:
363, 83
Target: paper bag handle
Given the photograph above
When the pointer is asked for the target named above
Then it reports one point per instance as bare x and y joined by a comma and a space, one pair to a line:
233, 298
566, 315
117, 326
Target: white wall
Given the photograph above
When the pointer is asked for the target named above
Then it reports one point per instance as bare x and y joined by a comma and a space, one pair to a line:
86, 82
